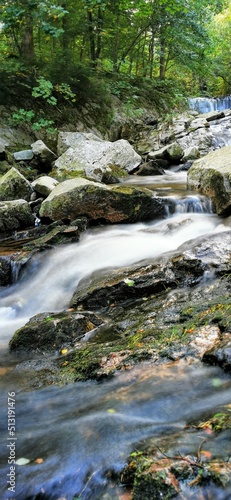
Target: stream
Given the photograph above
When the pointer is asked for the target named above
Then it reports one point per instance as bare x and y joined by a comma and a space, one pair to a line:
77, 438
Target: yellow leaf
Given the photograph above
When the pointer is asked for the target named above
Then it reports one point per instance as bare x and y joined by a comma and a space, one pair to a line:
64, 351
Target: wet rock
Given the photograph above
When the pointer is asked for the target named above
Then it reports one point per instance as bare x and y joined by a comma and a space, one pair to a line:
52, 332
211, 175
220, 354
205, 338
136, 282
14, 185
78, 197
150, 168
5, 271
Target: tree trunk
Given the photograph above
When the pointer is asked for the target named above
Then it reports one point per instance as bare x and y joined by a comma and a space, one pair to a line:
162, 58
27, 51
91, 35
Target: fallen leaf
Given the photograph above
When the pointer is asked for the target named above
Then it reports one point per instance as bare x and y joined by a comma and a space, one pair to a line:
206, 454
38, 461
22, 461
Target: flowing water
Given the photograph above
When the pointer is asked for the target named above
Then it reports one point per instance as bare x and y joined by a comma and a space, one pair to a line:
206, 104
84, 432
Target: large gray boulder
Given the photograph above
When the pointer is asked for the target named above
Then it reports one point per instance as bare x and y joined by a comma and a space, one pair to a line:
15, 215
14, 185
91, 158
68, 140
211, 175
76, 197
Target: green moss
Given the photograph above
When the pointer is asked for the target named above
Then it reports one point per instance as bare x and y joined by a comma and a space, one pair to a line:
81, 365
210, 313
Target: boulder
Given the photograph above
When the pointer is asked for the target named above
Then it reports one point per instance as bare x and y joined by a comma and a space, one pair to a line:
90, 158
53, 331
150, 168
42, 155
211, 175
191, 153
172, 152
14, 185
44, 185
76, 197
68, 140
15, 215
220, 354
25, 155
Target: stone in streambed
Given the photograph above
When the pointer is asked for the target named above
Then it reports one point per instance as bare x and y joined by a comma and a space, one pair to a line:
14, 185
211, 175
80, 197
49, 332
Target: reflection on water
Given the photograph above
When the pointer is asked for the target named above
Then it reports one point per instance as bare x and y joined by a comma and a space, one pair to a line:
85, 430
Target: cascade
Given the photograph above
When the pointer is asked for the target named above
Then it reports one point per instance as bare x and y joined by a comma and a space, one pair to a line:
206, 104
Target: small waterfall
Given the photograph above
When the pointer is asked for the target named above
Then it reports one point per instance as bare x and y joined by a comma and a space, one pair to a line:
206, 104
189, 204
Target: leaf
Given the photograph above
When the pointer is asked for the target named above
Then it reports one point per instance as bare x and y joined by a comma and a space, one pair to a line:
206, 454
111, 410
22, 461
38, 461
129, 282
64, 351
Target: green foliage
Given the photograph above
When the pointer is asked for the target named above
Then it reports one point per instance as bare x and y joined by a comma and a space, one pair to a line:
44, 124
167, 45
219, 421
44, 90
22, 116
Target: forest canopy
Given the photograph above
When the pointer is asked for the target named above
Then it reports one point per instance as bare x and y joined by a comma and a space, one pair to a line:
183, 43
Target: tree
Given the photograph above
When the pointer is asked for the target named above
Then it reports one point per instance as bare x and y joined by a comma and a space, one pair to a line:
21, 18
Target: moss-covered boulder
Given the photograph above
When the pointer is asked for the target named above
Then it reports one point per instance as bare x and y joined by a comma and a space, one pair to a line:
211, 175
14, 185
53, 331
76, 197
15, 215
